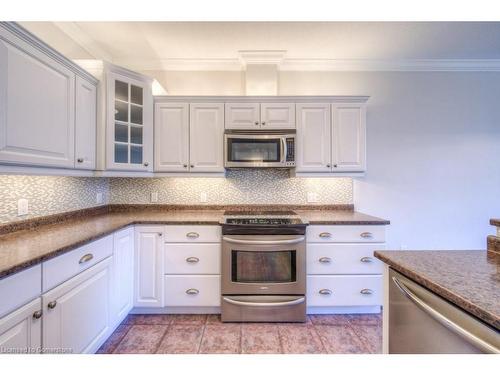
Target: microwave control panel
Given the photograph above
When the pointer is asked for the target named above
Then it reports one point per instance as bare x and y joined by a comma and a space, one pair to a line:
290, 152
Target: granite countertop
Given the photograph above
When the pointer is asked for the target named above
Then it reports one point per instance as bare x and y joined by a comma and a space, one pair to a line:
469, 279
21, 249
495, 222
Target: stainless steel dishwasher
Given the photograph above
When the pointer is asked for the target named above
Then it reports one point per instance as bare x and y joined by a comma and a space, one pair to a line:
421, 322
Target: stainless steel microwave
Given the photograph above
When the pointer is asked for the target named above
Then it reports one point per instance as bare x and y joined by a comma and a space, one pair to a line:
258, 149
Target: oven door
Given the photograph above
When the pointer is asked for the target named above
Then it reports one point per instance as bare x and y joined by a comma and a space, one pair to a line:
263, 264
254, 150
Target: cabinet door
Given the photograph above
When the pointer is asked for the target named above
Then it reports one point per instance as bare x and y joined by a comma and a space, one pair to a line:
122, 287
242, 116
21, 330
206, 135
171, 137
148, 275
37, 101
129, 144
348, 137
76, 313
277, 115
85, 124
313, 148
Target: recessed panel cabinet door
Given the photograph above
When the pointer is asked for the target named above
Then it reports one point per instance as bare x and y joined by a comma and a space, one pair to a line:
313, 147
206, 137
242, 116
171, 137
85, 124
122, 275
148, 275
21, 330
76, 313
37, 100
348, 138
277, 115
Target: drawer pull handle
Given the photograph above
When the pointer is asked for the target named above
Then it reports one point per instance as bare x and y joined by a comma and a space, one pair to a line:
37, 314
192, 291
325, 292
325, 235
192, 235
86, 258
192, 260
366, 291
52, 305
325, 260
366, 259
366, 235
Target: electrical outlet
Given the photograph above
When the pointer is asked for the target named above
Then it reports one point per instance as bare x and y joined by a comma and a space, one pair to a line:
312, 197
99, 199
22, 207
154, 197
203, 197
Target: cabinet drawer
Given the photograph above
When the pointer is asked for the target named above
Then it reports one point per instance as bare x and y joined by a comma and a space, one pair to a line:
192, 290
185, 258
323, 259
20, 288
61, 268
345, 233
362, 290
193, 233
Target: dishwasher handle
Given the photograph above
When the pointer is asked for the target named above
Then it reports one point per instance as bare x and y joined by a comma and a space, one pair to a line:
468, 336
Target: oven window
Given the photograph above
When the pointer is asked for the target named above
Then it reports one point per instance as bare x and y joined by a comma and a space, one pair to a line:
254, 150
263, 266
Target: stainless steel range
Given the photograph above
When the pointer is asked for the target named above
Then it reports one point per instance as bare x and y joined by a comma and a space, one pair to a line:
263, 267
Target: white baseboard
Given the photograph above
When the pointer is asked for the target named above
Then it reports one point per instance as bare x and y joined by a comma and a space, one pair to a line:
176, 310
344, 310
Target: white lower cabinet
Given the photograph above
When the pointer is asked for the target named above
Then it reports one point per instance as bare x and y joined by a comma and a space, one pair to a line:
192, 290
21, 330
148, 274
344, 290
122, 275
76, 313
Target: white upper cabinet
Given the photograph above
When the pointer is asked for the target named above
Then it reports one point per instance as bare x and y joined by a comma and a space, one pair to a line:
260, 116
37, 101
348, 137
277, 115
242, 116
313, 149
85, 124
206, 134
172, 137
129, 134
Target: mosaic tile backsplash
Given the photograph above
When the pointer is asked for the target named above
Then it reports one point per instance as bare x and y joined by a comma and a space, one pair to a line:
49, 194
252, 186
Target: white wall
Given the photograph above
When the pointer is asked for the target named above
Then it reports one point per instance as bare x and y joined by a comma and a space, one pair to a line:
433, 148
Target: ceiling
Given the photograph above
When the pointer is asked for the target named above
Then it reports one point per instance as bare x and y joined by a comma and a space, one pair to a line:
216, 45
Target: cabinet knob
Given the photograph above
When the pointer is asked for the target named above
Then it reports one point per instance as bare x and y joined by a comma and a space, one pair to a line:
325, 292
52, 305
325, 260
328, 165
256, 123
192, 260
37, 314
79, 160
263, 123
146, 164
160, 234
192, 291
335, 166
185, 165
366, 291
192, 166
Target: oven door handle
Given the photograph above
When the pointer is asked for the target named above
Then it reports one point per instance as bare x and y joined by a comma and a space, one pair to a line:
264, 304
272, 242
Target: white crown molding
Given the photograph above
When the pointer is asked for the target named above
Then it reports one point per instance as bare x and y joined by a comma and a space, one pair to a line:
261, 57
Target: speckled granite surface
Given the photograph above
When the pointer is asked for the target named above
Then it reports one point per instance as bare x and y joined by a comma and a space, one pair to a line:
494, 244
468, 278
495, 222
21, 249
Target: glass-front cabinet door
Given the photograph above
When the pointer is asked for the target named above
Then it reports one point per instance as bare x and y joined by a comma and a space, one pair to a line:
129, 145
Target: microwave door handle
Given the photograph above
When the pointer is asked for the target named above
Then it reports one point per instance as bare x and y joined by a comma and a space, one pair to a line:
283, 150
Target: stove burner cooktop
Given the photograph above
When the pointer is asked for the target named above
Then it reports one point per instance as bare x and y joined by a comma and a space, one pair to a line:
283, 222
263, 221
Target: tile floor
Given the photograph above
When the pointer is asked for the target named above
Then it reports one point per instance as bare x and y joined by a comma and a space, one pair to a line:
206, 334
